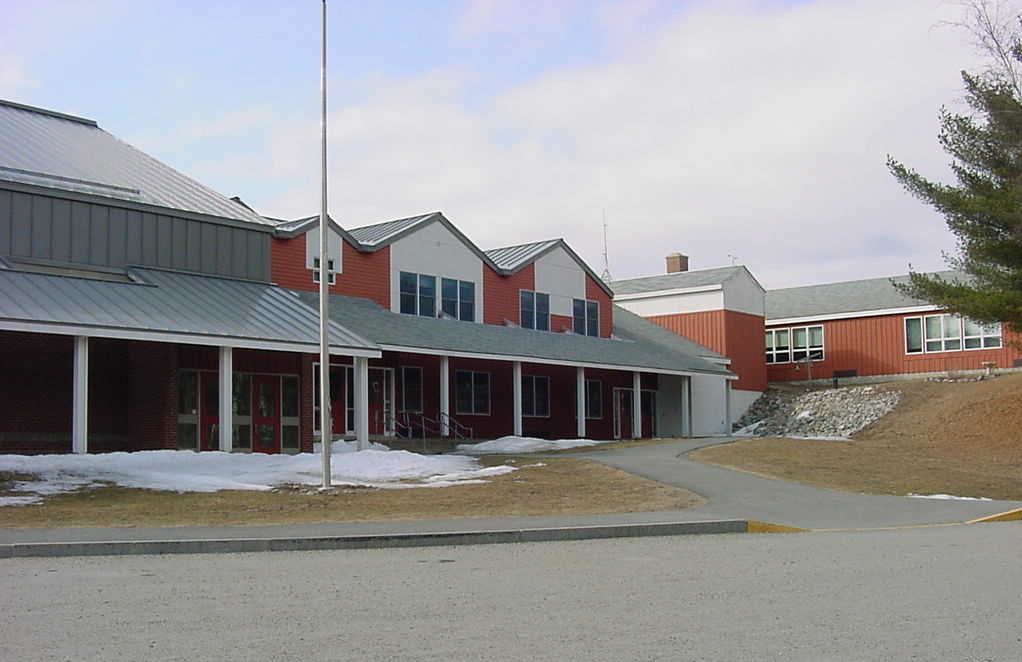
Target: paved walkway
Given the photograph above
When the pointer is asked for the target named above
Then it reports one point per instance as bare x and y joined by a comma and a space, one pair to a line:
732, 497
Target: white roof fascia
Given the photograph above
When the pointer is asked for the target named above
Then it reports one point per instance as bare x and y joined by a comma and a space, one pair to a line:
852, 315
544, 361
183, 338
663, 293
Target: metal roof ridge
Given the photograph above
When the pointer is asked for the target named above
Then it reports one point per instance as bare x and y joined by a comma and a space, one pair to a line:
52, 113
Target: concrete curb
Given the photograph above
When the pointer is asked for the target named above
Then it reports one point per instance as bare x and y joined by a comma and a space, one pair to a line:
378, 541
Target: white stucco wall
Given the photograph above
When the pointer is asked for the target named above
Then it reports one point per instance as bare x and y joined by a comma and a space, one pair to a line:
560, 276
744, 295
648, 305
333, 248
435, 251
709, 409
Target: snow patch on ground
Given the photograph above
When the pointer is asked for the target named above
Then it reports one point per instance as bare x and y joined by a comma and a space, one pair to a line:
211, 471
515, 445
947, 497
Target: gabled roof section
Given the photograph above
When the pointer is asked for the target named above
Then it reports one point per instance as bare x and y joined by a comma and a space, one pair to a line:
378, 235
679, 281
291, 229
511, 259
396, 332
856, 296
169, 306
42, 148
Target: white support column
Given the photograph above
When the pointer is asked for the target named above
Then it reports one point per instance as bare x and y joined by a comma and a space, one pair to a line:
517, 398
80, 395
727, 407
362, 402
580, 401
445, 395
636, 405
686, 406
226, 418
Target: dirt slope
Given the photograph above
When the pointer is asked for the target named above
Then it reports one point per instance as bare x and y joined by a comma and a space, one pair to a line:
962, 438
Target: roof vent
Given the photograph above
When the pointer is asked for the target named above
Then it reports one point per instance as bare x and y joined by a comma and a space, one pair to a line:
676, 263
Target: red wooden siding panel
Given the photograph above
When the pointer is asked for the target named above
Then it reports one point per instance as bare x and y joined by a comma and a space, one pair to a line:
365, 275
738, 336
500, 293
876, 346
596, 293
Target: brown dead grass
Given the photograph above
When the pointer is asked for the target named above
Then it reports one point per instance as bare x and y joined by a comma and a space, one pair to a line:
559, 487
942, 438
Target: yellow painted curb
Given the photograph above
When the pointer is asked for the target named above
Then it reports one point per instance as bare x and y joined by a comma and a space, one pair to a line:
1006, 516
766, 527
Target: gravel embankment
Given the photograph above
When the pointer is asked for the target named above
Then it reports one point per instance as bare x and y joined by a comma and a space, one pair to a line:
824, 413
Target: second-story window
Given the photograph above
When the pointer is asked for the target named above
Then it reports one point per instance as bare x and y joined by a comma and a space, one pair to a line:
418, 294
586, 317
535, 310
458, 299
331, 272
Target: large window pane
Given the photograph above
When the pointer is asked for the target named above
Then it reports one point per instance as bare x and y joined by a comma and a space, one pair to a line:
427, 296
913, 335
592, 318
188, 393
542, 312
289, 396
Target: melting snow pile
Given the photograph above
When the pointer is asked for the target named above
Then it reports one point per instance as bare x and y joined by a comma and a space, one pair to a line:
188, 471
515, 445
823, 414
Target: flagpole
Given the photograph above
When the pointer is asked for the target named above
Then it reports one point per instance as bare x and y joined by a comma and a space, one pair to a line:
326, 433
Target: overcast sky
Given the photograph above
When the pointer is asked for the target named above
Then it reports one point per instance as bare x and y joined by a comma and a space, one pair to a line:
747, 130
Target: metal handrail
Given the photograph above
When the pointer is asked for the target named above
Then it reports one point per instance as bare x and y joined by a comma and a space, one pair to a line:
454, 426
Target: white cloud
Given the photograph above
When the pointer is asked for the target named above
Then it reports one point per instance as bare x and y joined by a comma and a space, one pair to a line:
736, 128
14, 77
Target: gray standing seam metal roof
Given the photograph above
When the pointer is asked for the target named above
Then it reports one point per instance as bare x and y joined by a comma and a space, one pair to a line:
855, 296
383, 233
168, 302
637, 350
47, 149
513, 258
675, 281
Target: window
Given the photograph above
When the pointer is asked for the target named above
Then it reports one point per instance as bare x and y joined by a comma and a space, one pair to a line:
458, 299
594, 399
794, 344
417, 294
535, 396
472, 392
535, 310
586, 317
778, 347
946, 332
331, 271
411, 389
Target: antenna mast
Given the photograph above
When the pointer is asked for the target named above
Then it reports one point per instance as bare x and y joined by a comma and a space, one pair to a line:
606, 262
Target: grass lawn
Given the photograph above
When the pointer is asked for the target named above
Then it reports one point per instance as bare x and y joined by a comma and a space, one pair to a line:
963, 439
541, 486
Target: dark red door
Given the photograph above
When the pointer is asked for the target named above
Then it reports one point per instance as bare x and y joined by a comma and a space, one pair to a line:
266, 413
209, 411
338, 400
623, 404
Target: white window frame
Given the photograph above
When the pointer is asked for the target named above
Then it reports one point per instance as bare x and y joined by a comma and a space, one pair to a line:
331, 270
418, 294
772, 352
458, 303
990, 336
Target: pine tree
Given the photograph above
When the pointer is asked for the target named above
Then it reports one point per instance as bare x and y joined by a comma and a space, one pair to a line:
984, 208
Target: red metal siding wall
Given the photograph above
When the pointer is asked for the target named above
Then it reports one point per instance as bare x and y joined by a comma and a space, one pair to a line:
596, 293
876, 346
738, 336
746, 349
366, 275
500, 293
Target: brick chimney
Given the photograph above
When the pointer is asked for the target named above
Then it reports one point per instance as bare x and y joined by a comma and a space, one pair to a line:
676, 263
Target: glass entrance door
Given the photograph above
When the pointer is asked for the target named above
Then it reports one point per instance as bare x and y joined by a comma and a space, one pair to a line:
266, 413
